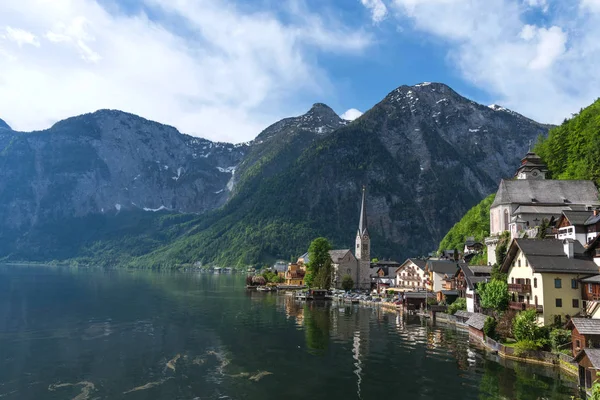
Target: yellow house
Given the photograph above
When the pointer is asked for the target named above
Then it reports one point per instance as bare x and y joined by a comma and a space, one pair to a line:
295, 274
544, 275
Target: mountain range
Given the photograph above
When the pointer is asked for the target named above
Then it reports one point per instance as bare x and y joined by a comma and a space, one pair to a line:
111, 187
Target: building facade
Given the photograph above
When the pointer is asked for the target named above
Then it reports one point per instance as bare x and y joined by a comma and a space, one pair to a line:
411, 275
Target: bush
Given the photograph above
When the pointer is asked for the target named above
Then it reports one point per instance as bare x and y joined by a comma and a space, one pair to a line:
347, 283
489, 328
459, 304
494, 295
559, 338
523, 346
525, 327
431, 301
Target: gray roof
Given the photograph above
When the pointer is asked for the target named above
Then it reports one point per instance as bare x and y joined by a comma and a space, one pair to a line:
463, 314
592, 354
418, 295
593, 219
484, 272
481, 269
546, 191
578, 217
419, 263
442, 266
592, 279
477, 321
336, 255
551, 210
449, 292
362, 224
586, 326
548, 255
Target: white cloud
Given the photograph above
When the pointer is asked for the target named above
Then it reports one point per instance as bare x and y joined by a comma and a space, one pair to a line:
20, 37
206, 67
544, 69
351, 114
377, 8
542, 4
591, 5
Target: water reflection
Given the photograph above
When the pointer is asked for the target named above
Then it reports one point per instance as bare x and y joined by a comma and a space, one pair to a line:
68, 334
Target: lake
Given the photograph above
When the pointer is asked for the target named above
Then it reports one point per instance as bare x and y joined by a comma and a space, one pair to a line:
94, 334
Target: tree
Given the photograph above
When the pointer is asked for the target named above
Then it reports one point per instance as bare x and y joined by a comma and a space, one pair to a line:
318, 254
459, 304
347, 282
494, 295
375, 260
502, 247
323, 277
541, 234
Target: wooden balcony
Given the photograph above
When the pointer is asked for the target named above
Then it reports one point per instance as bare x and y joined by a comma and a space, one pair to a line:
519, 288
516, 305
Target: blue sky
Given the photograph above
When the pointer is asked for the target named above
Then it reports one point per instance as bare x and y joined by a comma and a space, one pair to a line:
226, 69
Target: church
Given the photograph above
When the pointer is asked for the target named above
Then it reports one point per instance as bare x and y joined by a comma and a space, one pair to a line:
522, 203
357, 265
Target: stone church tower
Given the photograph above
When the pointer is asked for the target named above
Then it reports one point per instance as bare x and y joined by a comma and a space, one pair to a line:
363, 248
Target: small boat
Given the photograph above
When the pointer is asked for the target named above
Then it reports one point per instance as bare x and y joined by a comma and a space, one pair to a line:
263, 289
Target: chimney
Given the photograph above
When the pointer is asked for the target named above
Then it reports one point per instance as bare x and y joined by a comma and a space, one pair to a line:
568, 248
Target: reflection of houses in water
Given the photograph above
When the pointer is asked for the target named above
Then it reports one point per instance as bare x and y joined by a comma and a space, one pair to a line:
294, 309
356, 355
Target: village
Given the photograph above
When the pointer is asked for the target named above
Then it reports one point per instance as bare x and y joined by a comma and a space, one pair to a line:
537, 299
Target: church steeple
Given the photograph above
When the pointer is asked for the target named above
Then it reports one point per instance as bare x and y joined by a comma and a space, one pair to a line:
363, 240
532, 167
362, 225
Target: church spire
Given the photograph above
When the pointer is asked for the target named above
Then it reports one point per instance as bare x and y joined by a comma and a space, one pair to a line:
362, 225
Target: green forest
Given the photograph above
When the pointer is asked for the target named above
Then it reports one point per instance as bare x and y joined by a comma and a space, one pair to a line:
572, 150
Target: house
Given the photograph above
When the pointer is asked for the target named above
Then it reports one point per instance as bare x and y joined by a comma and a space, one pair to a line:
280, 267
476, 322
472, 246
544, 275
467, 278
593, 250
437, 271
593, 226
383, 274
522, 204
411, 274
294, 276
415, 300
590, 294
571, 225
447, 296
589, 366
585, 333
343, 263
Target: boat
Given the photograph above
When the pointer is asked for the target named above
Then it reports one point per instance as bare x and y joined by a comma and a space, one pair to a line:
251, 287
264, 289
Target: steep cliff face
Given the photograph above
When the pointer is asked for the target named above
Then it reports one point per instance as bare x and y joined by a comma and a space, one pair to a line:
279, 145
109, 161
426, 155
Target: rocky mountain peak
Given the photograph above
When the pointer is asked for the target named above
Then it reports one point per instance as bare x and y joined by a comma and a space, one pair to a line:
4, 125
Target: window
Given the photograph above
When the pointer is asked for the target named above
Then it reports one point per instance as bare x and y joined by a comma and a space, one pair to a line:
526, 263
519, 263
534, 282
536, 303
558, 302
589, 285
574, 284
358, 245
505, 220
575, 303
577, 344
557, 283
512, 280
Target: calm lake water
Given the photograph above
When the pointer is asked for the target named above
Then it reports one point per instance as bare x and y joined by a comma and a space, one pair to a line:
89, 334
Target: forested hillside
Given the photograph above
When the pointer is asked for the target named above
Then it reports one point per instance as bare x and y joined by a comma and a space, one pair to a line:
572, 150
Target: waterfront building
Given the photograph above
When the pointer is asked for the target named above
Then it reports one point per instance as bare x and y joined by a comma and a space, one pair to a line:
437, 271
411, 274
294, 276
585, 333
476, 322
383, 274
522, 204
467, 278
589, 367
572, 225
343, 263
545, 275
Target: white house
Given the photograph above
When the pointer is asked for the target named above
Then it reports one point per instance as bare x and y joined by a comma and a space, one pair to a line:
411, 274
